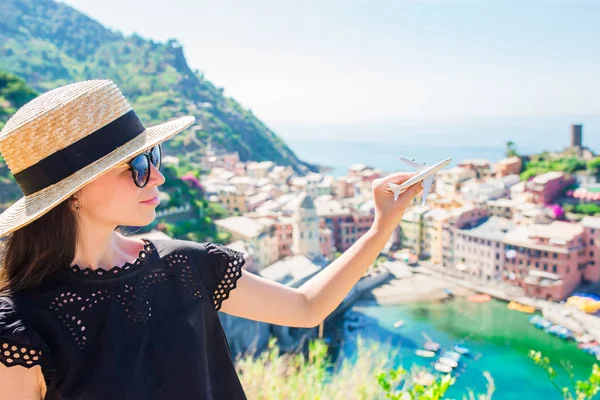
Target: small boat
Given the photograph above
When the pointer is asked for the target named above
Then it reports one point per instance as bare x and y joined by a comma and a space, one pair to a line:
543, 324
425, 353
442, 367
398, 323
584, 338
565, 333
513, 305
479, 298
452, 355
461, 350
431, 346
588, 344
553, 330
424, 378
448, 361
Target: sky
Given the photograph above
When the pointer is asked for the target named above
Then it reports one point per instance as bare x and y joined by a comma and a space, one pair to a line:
310, 62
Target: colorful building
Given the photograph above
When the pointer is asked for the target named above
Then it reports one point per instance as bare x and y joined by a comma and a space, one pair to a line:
545, 188
479, 250
433, 221
534, 252
508, 166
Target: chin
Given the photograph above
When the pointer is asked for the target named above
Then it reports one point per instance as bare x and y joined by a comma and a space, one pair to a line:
142, 220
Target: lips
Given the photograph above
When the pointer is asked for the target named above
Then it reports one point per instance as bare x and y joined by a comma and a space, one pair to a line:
150, 199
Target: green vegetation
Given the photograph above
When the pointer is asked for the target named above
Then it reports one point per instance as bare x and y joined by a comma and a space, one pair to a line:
585, 209
14, 92
511, 149
50, 44
272, 375
594, 166
542, 163
579, 390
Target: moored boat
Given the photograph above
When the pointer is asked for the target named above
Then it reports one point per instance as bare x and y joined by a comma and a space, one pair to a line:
425, 353
461, 350
442, 367
431, 346
448, 361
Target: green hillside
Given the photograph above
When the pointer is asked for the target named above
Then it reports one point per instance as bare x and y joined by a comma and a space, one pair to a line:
50, 44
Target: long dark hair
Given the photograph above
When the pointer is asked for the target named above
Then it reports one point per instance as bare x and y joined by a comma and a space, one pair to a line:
38, 250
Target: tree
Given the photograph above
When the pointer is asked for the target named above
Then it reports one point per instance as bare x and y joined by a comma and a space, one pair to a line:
511, 149
594, 166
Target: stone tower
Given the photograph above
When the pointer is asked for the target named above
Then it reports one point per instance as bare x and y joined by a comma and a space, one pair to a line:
305, 227
576, 135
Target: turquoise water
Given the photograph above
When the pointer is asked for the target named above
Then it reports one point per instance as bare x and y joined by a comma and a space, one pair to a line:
499, 340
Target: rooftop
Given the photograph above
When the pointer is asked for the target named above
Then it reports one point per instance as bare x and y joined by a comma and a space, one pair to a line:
591, 222
244, 226
548, 176
292, 269
558, 233
494, 228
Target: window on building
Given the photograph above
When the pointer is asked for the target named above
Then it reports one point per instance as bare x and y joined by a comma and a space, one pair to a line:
568, 270
554, 255
591, 241
301, 235
545, 254
309, 234
520, 261
554, 268
545, 267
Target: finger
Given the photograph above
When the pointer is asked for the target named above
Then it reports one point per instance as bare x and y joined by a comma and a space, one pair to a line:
399, 177
414, 190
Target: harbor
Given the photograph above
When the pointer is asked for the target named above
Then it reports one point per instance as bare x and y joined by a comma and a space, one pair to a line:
491, 337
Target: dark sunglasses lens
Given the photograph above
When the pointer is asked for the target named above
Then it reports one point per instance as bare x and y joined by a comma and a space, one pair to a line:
140, 170
156, 156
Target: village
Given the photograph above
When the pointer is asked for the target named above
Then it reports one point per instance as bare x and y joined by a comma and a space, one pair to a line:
482, 230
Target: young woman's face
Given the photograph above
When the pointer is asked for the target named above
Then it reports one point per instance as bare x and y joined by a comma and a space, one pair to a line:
113, 198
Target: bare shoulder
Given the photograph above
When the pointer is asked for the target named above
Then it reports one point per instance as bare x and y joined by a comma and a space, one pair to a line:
17, 382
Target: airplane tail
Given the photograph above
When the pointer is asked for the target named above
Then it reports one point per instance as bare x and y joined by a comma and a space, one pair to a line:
396, 189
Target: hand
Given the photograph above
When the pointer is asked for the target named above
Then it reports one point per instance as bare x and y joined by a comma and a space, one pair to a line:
388, 213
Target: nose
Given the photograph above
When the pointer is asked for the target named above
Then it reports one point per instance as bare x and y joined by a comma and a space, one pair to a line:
156, 177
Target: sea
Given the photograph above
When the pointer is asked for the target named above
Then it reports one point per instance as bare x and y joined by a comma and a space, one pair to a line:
379, 144
499, 341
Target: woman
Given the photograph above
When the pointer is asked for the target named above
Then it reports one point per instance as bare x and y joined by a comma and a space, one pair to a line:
87, 313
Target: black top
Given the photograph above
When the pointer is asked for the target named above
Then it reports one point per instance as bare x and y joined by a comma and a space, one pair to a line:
145, 330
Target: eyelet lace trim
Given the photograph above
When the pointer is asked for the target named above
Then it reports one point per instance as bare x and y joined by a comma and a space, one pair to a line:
230, 263
13, 353
143, 255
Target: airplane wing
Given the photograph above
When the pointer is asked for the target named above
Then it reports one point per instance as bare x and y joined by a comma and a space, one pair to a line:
417, 166
426, 186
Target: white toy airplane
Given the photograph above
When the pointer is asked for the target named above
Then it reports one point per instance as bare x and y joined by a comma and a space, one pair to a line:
425, 174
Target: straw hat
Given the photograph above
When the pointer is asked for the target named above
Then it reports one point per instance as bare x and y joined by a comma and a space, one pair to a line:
60, 141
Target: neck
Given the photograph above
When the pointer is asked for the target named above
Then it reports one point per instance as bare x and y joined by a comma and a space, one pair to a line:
97, 249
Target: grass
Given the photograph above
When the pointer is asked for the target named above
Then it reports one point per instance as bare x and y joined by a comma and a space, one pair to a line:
272, 375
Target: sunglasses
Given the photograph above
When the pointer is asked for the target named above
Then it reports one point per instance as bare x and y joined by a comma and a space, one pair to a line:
140, 165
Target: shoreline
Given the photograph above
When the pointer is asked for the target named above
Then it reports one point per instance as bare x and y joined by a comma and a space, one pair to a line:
416, 288
422, 284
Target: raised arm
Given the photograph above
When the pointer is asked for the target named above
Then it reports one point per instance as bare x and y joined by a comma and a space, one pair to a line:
259, 299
